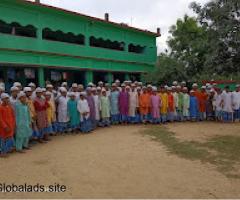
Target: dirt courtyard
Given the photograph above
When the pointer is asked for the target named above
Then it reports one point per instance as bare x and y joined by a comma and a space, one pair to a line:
119, 162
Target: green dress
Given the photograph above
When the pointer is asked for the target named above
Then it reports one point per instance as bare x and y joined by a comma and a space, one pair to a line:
23, 121
105, 107
73, 113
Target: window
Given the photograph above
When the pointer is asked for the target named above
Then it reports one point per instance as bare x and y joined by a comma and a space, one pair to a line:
16, 29
107, 44
59, 36
136, 48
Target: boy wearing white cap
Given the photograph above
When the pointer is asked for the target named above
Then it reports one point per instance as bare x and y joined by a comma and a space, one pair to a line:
227, 105
23, 123
14, 95
236, 103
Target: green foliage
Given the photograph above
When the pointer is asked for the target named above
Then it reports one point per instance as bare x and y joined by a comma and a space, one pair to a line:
206, 47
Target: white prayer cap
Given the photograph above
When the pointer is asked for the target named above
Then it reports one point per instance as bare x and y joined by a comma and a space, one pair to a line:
44, 90
179, 87
173, 87
4, 95
185, 88
100, 82
183, 83
71, 94
63, 89
88, 89
14, 88
49, 86
90, 84
144, 87
103, 90
48, 93
114, 85
149, 85
27, 89
175, 83
203, 87
99, 88
169, 88
106, 84
94, 89
212, 90
74, 85
82, 94
2, 89
138, 88
140, 83
195, 85
80, 86
154, 88
17, 84
123, 85
238, 85
192, 91
31, 85
64, 84
166, 86
214, 84
128, 87
133, 85
207, 84
21, 94
117, 81
38, 90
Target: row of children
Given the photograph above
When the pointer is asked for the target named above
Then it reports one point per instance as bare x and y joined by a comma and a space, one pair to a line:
32, 114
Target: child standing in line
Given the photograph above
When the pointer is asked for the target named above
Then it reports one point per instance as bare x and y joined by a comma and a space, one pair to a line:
73, 114
171, 105
105, 108
155, 106
84, 110
50, 113
185, 104
7, 125
193, 107
23, 122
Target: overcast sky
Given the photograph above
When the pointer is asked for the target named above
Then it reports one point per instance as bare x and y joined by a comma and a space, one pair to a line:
145, 14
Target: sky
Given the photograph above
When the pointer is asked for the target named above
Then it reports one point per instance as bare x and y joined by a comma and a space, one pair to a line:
144, 14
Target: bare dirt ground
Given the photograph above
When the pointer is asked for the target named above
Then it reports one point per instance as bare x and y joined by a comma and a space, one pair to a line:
119, 162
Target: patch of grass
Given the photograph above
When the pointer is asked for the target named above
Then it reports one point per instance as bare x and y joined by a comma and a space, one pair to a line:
222, 151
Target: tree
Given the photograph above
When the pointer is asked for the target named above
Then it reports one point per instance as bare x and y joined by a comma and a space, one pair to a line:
189, 44
167, 69
221, 19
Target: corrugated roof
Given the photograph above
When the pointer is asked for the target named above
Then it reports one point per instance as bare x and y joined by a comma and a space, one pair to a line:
120, 25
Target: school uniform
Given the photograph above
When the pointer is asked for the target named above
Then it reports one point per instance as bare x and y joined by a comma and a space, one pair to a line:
193, 108
105, 110
91, 105
227, 106
186, 105
85, 122
73, 114
23, 126
171, 108
164, 108
114, 102
144, 105
236, 104
155, 108
123, 106
96, 99
63, 118
7, 120
133, 104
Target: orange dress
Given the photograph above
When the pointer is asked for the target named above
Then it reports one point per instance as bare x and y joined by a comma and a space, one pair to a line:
144, 103
7, 120
202, 100
171, 106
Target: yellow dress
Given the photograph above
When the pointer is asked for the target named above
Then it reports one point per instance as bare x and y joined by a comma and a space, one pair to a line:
164, 98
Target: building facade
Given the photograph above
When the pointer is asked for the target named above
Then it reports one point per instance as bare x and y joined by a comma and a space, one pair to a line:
40, 42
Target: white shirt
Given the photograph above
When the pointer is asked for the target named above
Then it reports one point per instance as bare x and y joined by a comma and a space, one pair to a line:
62, 109
83, 108
236, 100
227, 101
97, 106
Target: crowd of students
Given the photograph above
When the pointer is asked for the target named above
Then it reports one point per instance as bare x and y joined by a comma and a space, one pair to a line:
32, 114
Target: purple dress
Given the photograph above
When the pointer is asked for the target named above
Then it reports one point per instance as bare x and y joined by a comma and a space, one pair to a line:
91, 105
124, 103
155, 104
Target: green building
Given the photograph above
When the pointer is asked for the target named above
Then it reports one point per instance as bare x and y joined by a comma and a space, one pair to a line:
40, 42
